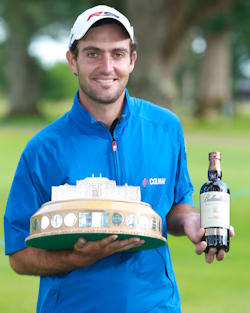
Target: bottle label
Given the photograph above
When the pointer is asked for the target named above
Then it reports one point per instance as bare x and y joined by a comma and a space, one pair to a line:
215, 209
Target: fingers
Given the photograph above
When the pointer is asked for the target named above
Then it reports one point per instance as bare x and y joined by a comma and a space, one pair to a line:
106, 246
123, 245
126, 244
231, 231
200, 234
212, 252
200, 247
220, 255
82, 245
79, 245
209, 256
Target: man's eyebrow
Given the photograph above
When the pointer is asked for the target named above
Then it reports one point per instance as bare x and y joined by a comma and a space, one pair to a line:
121, 50
92, 48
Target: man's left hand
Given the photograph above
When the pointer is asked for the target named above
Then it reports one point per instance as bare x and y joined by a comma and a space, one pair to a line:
195, 233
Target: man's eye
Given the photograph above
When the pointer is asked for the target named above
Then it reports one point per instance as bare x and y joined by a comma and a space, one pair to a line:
92, 54
119, 55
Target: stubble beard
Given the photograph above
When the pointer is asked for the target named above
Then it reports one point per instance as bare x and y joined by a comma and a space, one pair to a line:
104, 98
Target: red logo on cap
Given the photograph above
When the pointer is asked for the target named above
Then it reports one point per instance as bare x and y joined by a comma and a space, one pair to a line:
94, 14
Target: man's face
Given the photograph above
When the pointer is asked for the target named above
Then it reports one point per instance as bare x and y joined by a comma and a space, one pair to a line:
103, 64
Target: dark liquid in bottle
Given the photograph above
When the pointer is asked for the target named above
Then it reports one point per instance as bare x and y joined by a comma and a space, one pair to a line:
214, 198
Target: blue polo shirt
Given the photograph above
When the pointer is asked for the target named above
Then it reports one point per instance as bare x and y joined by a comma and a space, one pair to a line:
151, 154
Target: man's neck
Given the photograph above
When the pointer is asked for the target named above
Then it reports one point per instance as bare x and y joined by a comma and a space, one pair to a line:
105, 113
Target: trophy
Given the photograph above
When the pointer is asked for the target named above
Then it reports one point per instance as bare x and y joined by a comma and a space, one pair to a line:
94, 208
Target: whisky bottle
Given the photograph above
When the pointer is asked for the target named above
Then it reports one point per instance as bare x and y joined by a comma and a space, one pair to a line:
215, 206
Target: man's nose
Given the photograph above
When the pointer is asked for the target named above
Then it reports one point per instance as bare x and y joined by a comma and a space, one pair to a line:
107, 63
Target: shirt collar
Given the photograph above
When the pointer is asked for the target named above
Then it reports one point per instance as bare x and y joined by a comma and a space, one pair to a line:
83, 118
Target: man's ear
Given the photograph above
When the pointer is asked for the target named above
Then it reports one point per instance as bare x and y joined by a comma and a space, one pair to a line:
132, 61
71, 62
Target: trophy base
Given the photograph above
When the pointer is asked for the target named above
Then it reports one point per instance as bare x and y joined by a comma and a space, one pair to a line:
67, 241
58, 225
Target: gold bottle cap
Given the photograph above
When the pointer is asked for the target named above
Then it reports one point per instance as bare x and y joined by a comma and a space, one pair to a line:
214, 155
214, 161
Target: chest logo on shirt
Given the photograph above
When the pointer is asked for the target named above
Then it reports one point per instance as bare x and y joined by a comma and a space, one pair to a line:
153, 181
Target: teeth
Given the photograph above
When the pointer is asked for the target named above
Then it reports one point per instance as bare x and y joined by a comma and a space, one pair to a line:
105, 80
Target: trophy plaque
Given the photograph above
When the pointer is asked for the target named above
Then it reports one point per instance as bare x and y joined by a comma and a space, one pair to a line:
95, 208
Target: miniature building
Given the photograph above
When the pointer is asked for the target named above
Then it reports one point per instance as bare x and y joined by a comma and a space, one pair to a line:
96, 188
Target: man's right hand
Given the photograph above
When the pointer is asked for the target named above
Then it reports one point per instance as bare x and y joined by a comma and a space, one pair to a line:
86, 253
33, 261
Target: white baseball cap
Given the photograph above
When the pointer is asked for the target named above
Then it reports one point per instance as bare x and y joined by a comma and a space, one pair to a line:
89, 17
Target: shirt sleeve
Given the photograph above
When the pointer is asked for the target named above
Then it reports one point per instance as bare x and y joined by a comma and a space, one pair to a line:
23, 202
183, 186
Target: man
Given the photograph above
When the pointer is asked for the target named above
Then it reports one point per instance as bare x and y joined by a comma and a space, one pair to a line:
127, 140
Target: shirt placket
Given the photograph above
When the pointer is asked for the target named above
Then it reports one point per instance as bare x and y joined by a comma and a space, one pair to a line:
115, 151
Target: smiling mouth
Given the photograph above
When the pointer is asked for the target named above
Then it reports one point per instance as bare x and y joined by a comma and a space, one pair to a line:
105, 80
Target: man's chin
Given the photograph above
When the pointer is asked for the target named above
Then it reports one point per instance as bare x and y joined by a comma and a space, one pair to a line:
106, 98
106, 101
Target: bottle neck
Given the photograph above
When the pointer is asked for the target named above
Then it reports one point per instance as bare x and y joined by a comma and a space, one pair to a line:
214, 174
214, 169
